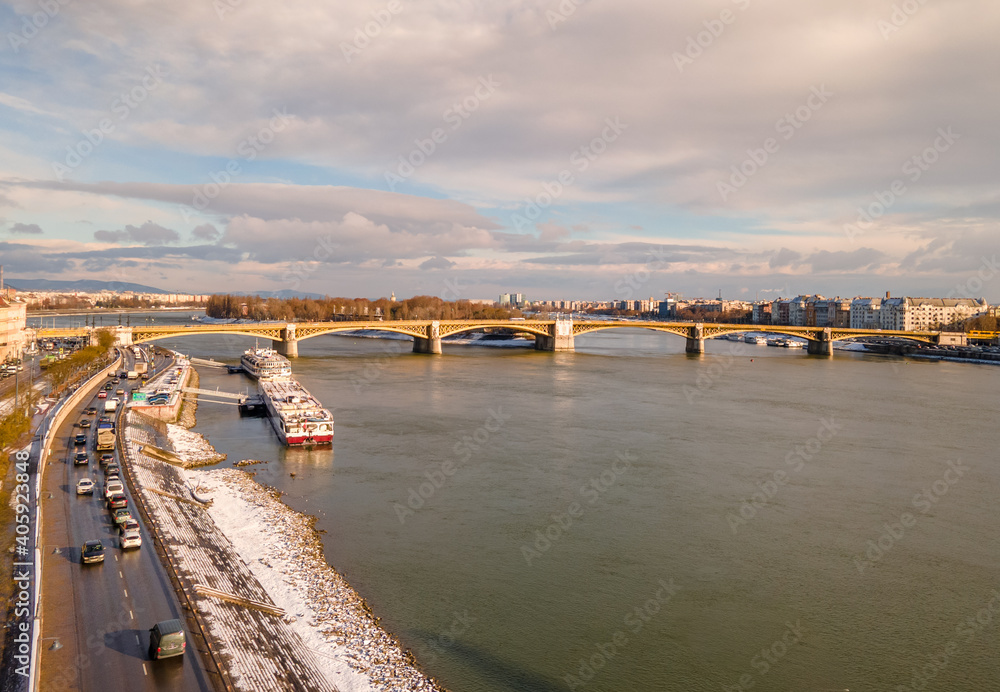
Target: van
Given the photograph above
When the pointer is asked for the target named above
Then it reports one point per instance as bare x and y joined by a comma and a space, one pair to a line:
166, 639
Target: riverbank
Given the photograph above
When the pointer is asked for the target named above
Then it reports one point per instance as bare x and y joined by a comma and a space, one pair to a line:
284, 552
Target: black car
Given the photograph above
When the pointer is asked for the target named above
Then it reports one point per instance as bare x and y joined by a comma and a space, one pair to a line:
107, 458
117, 500
112, 470
81, 458
109, 386
80, 439
93, 551
85, 423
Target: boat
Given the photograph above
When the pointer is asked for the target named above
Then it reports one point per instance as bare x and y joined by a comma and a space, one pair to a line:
776, 342
265, 364
755, 339
794, 343
296, 415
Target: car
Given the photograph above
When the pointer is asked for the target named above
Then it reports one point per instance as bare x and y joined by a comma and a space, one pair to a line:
80, 439
111, 374
85, 423
92, 551
119, 392
112, 469
108, 387
166, 639
113, 479
91, 411
107, 458
102, 394
85, 486
121, 515
130, 539
113, 488
130, 525
80, 458
117, 501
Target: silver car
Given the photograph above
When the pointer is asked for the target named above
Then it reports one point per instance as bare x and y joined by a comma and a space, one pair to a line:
131, 539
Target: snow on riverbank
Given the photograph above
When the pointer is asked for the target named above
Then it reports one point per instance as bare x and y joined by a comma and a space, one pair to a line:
284, 553
192, 447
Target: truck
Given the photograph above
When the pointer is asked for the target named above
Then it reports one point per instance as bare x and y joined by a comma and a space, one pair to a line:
105, 437
110, 405
131, 375
140, 367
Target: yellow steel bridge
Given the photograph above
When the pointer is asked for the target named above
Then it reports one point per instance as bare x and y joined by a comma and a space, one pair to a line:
550, 335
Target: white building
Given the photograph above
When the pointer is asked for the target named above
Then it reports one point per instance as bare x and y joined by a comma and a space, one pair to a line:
928, 314
865, 313
13, 314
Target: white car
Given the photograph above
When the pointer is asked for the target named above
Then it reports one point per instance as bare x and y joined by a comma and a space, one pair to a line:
131, 539
113, 487
85, 486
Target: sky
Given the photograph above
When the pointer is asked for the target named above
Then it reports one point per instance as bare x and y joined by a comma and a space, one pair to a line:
563, 149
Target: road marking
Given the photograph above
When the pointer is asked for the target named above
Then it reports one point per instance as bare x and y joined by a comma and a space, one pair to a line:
116, 557
126, 593
131, 615
138, 642
120, 574
144, 671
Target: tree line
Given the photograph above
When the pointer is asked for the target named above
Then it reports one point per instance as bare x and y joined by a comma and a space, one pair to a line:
327, 309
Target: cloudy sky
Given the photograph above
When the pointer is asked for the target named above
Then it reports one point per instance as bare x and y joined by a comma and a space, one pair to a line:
460, 148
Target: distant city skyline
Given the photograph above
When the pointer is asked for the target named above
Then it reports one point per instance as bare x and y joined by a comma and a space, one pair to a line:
562, 150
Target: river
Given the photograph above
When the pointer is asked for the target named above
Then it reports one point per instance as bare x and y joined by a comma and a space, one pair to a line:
627, 517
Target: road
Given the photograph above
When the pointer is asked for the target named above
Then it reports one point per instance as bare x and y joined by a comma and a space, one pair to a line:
101, 613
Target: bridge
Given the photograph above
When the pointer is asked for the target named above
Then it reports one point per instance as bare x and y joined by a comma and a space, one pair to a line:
550, 335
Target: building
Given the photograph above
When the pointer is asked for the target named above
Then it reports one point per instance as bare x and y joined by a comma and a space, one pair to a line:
13, 316
802, 311
928, 314
761, 313
512, 299
865, 313
833, 312
780, 310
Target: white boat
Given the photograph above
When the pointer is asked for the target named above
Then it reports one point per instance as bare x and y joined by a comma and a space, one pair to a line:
794, 343
265, 364
776, 342
755, 339
296, 415
738, 336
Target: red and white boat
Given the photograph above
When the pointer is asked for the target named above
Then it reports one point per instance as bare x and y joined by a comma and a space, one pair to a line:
296, 415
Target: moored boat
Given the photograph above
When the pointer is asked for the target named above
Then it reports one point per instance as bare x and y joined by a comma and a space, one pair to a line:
296, 415
265, 364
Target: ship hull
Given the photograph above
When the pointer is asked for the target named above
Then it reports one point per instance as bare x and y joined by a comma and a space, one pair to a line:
301, 432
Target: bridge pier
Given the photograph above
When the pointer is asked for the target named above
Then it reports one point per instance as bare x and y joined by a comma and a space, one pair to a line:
823, 347
430, 343
559, 338
696, 339
289, 345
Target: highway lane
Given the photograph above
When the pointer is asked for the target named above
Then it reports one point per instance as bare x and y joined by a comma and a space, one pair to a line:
114, 603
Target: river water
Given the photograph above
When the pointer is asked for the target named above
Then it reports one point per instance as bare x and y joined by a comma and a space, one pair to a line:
627, 517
